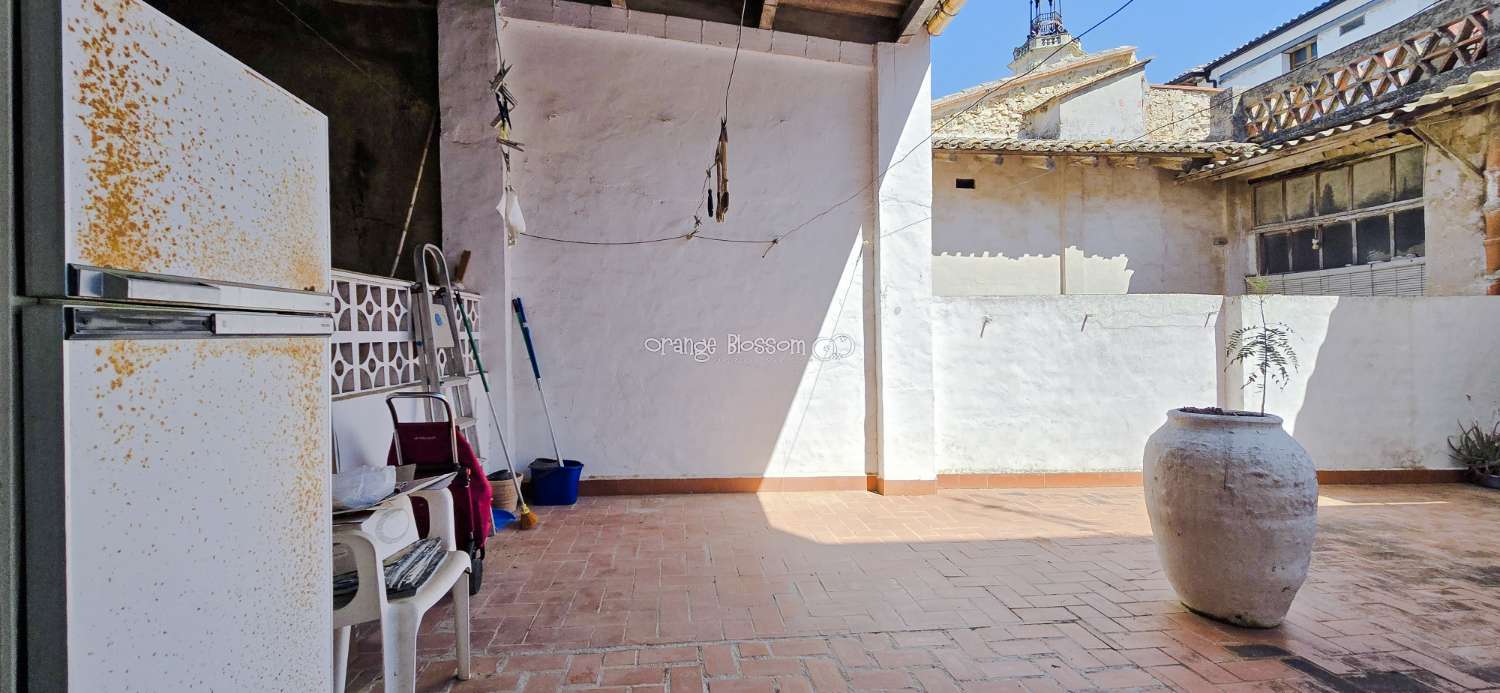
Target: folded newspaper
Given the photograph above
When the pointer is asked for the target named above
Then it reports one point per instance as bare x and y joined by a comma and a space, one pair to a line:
405, 571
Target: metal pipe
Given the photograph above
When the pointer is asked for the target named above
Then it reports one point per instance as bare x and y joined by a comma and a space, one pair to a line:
945, 12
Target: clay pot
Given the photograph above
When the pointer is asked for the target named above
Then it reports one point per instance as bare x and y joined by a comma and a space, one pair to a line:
1233, 502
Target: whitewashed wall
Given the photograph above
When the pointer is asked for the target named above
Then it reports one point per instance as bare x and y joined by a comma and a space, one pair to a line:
1075, 230
622, 158
1066, 383
1112, 109
1077, 383
363, 427
1383, 381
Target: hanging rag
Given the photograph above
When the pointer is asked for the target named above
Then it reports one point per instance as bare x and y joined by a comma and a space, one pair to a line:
509, 208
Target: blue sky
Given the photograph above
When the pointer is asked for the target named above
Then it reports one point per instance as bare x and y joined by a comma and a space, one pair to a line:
1178, 34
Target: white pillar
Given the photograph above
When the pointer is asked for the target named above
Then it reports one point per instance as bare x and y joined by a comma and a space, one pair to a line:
472, 179
902, 249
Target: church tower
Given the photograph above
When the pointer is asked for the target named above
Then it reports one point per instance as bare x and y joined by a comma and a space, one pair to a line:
1046, 36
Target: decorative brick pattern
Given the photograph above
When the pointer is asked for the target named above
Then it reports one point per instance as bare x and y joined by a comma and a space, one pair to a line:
982, 590
1370, 77
371, 348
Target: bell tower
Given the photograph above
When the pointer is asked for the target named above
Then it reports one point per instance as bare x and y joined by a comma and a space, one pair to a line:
1047, 41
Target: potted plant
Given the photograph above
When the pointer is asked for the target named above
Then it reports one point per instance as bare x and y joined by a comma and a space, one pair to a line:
1233, 499
1479, 451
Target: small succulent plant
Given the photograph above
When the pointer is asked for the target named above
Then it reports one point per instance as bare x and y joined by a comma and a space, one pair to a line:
1476, 448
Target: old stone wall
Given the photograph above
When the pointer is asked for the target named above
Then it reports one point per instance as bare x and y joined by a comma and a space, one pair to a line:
1175, 113
1000, 115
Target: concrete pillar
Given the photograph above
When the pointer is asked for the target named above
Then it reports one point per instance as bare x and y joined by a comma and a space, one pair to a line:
902, 266
473, 177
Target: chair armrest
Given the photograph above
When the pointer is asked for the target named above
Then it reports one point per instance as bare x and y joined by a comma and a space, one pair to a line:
368, 599
440, 516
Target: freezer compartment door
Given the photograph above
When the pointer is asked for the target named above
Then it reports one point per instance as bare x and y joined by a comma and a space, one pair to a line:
179, 160
194, 489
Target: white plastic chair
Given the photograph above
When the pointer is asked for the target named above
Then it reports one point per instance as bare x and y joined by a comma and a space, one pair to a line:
392, 528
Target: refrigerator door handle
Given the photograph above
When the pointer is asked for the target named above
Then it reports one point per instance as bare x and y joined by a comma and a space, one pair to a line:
122, 287
265, 324
128, 286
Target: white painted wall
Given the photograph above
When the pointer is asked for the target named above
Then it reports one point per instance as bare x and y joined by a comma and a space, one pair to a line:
1113, 109
618, 130
1383, 381
1077, 383
1077, 230
1065, 383
363, 427
472, 180
903, 250
1266, 61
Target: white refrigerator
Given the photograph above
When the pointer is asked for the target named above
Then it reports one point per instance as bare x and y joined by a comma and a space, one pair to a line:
175, 390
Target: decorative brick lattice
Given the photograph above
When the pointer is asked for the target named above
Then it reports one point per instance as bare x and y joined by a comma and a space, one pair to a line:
372, 347
1419, 56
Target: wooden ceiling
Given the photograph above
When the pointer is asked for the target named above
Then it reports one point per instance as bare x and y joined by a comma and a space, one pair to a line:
863, 21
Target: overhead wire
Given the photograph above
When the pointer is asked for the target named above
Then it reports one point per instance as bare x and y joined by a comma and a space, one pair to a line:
776, 239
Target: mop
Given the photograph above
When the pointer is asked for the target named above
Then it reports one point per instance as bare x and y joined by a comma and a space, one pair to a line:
536, 371
528, 519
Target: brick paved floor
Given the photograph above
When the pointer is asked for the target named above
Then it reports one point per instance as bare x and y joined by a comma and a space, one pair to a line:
1035, 590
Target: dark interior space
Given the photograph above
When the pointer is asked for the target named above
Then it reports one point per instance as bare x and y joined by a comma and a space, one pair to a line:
371, 67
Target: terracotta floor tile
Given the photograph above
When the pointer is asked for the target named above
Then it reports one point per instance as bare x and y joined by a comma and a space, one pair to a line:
1035, 590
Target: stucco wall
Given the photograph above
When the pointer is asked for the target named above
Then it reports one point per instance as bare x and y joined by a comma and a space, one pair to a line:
618, 130
1065, 383
1112, 109
1077, 383
1077, 229
1383, 381
1452, 200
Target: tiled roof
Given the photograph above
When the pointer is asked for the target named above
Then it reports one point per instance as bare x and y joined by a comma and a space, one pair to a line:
1087, 147
1479, 84
1206, 67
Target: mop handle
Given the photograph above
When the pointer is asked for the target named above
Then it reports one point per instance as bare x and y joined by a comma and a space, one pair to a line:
536, 370
494, 418
473, 347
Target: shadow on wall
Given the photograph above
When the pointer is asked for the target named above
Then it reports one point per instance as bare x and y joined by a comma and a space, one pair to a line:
1384, 382
1008, 228
689, 358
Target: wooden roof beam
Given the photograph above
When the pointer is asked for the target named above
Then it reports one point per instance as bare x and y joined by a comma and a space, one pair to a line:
767, 14
890, 9
912, 20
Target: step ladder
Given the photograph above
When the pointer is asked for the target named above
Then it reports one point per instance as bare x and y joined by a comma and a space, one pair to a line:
439, 343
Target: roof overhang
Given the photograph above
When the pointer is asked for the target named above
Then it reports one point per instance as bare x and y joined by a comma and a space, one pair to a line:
1142, 148
1399, 125
858, 21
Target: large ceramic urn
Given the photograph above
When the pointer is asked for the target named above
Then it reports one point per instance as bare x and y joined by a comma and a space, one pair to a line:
1233, 502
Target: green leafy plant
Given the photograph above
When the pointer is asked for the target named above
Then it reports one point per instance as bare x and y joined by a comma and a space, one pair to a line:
1266, 348
1476, 448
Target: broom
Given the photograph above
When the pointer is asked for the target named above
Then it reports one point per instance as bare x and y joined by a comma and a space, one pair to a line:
528, 519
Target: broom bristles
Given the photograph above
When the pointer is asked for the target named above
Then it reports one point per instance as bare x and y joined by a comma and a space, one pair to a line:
528, 519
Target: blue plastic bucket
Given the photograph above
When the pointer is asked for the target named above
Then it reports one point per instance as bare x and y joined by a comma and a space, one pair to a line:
554, 484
